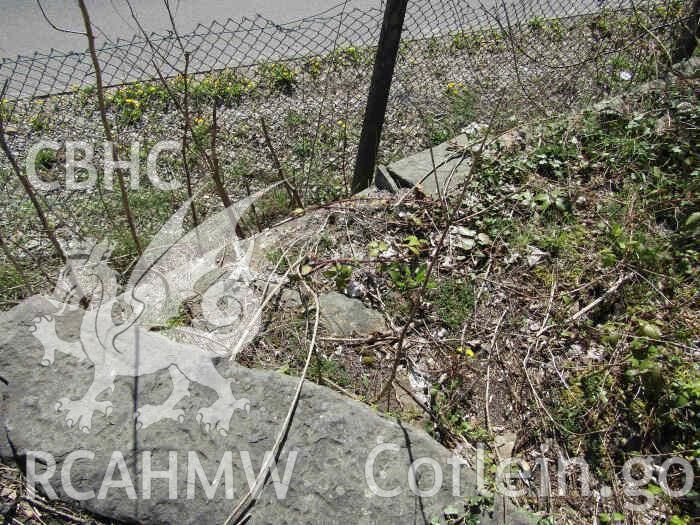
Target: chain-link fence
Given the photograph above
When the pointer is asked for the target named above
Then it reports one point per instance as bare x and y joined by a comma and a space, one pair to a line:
228, 44
247, 42
308, 80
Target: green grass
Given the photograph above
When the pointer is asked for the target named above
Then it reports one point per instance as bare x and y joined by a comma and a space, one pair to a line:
278, 75
649, 402
454, 302
460, 103
46, 159
11, 282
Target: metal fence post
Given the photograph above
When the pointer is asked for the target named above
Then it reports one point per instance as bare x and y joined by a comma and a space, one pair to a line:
378, 98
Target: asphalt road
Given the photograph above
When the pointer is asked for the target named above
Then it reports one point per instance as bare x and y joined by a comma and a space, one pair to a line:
23, 29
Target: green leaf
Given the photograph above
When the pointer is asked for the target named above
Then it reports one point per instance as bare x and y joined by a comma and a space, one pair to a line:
693, 220
413, 244
651, 331
681, 401
468, 244
609, 259
562, 204
544, 200
484, 239
377, 247
451, 512
655, 489
464, 232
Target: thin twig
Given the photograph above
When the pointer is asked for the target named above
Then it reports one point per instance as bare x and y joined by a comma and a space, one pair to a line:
174, 26
254, 492
339, 388
293, 193
183, 110
487, 400
28, 188
105, 123
524, 364
415, 303
216, 170
583, 311
185, 160
324, 99
54, 26
52, 510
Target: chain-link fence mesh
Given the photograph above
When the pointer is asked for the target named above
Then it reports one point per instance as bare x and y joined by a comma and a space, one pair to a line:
308, 80
229, 44
242, 43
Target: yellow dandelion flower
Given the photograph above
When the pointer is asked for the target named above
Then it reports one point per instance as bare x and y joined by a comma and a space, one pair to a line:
465, 351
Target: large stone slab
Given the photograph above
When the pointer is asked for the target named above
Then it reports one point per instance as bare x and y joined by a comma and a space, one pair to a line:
450, 169
332, 438
345, 317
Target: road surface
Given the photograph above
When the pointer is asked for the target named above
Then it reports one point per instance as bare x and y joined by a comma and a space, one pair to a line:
23, 29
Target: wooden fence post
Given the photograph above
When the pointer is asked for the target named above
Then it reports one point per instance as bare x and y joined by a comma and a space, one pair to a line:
688, 35
378, 98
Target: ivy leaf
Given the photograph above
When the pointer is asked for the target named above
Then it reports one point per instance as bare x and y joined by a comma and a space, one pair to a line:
468, 244
463, 231
651, 331
562, 204
693, 220
484, 239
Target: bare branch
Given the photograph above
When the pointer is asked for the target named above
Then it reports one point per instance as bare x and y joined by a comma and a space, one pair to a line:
293, 193
185, 160
18, 268
211, 160
172, 24
237, 514
417, 297
106, 126
26, 184
54, 26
